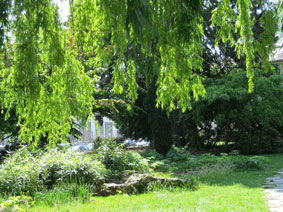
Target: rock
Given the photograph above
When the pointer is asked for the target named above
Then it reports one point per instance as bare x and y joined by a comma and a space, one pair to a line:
139, 184
109, 189
138, 178
126, 174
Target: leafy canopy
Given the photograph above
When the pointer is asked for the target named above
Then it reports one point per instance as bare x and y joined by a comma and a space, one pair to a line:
42, 70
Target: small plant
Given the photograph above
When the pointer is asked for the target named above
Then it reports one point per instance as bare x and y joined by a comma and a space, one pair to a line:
152, 155
177, 154
235, 152
16, 203
116, 158
249, 162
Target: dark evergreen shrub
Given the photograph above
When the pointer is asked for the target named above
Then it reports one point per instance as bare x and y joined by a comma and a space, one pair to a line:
228, 114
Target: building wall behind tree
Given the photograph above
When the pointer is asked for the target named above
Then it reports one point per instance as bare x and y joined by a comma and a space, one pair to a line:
94, 130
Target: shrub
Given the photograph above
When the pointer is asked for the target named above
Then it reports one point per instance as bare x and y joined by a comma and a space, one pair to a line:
177, 154
249, 162
19, 174
249, 122
69, 167
152, 154
26, 173
116, 158
154, 158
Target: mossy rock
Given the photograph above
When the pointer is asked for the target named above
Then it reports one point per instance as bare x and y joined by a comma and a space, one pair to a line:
140, 183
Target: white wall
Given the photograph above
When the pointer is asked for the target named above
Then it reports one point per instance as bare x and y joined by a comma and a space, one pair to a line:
107, 129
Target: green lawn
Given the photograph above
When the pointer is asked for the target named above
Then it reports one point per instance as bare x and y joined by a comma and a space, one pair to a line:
218, 191
208, 198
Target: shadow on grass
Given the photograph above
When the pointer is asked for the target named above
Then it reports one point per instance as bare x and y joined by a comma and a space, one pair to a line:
225, 176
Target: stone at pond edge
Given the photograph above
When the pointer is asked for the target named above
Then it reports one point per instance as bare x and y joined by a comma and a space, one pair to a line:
139, 184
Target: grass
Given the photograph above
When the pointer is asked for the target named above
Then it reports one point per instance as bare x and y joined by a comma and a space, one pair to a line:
64, 193
208, 198
220, 189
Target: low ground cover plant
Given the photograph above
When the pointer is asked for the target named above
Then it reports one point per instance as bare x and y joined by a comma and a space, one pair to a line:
179, 160
17, 203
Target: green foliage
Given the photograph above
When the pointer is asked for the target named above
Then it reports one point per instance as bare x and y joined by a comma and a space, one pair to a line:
233, 18
43, 61
159, 123
221, 191
146, 121
221, 59
152, 155
251, 122
249, 163
4, 13
70, 167
116, 158
177, 154
9, 126
227, 164
180, 161
27, 173
154, 158
40, 74
64, 193
17, 203
142, 30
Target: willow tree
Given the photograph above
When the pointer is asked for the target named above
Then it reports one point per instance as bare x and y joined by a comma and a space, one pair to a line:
40, 73
43, 76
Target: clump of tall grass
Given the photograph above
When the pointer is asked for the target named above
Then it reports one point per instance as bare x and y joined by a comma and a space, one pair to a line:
215, 171
27, 173
64, 193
